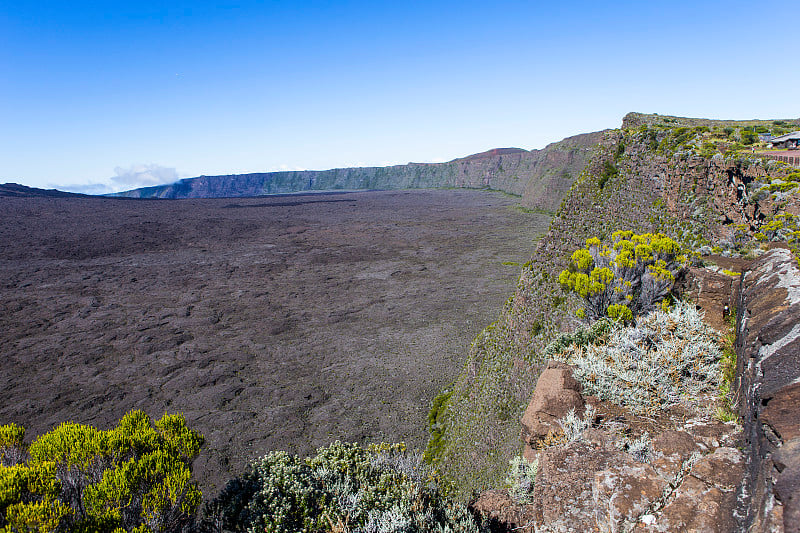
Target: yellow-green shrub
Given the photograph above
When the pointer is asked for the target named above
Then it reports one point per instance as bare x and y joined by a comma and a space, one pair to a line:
134, 477
625, 279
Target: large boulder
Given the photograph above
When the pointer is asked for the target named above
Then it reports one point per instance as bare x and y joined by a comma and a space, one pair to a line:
557, 392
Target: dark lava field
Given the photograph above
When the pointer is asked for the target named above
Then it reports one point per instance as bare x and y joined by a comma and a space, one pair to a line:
271, 323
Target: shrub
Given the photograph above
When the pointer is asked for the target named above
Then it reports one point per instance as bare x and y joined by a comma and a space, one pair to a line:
78, 478
641, 449
11, 449
625, 280
344, 487
573, 426
521, 479
609, 172
748, 136
581, 338
668, 356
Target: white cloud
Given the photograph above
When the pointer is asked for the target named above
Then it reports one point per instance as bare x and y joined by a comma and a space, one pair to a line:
86, 188
125, 179
144, 176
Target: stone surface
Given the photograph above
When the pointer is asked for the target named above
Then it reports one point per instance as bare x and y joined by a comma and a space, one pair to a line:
503, 514
724, 469
714, 293
625, 491
697, 507
564, 493
768, 373
556, 393
787, 485
672, 448
781, 412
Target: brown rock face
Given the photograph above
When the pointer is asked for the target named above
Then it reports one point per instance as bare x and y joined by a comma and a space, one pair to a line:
556, 393
714, 293
624, 491
502, 513
768, 370
698, 507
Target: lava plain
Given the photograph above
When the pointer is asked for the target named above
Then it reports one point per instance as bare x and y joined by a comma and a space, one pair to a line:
282, 322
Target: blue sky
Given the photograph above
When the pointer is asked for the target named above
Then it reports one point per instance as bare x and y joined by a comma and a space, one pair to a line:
100, 96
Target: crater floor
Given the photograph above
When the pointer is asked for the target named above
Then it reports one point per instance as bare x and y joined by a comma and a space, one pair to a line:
271, 323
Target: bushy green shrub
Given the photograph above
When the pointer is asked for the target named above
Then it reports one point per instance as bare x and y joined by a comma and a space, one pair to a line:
625, 280
748, 136
580, 338
134, 477
345, 487
11, 449
609, 172
521, 479
669, 356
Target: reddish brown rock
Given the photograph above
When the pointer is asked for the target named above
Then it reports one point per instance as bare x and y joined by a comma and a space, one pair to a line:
723, 469
564, 493
502, 512
697, 508
787, 485
671, 449
623, 492
768, 373
782, 413
556, 393
675, 442
714, 293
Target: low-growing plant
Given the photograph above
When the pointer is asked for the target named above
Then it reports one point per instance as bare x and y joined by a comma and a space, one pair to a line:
377, 488
134, 477
573, 426
641, 449
594, 334
521, 479
667, 357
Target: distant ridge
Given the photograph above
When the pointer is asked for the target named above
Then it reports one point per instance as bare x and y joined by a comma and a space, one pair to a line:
15, 190
540, 177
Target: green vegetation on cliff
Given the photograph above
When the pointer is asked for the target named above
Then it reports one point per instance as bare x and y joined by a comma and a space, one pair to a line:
655, 175
344, 487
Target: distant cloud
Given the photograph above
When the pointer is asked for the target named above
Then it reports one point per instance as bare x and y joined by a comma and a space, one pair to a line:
125, 179
86, 188
144, 176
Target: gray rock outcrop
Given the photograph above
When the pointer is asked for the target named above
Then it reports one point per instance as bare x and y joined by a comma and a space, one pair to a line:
768, 350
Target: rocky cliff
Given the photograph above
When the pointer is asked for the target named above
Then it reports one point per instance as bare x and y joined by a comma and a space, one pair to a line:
646, 177
768, 348
541, 177
681, 468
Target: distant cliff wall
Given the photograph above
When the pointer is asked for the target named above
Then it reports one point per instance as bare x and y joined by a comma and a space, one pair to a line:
541, 177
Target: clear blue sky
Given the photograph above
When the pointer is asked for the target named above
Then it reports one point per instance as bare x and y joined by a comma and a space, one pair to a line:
111, 95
